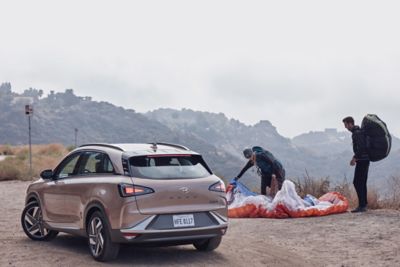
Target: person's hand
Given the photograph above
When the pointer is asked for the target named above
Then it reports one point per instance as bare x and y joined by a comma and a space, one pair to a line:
233, 181
353, 162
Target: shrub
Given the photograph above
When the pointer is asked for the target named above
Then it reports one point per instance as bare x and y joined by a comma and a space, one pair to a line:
393, 198
6, 150
55, 150
10, 169
347, 189
70, 148
373, 199
320, 186
312, 186
43, 157
22, 153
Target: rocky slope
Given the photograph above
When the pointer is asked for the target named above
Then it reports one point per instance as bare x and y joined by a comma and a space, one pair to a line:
219, 139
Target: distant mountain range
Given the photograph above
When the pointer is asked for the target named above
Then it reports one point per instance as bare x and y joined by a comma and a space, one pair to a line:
219, 139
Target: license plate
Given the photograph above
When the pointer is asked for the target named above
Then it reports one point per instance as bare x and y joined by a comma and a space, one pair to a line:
183, 220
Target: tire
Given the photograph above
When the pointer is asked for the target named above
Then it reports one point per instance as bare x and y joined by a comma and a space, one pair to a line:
32, 223
99, 238
208, 244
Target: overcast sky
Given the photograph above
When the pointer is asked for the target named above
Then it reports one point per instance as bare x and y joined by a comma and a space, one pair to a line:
303, 65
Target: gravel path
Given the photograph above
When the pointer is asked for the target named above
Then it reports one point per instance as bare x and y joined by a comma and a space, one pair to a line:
370, 239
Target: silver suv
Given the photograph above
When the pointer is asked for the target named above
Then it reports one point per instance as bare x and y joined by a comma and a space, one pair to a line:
161, 194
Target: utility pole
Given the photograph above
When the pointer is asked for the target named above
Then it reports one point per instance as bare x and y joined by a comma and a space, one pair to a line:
76, 137
29, 113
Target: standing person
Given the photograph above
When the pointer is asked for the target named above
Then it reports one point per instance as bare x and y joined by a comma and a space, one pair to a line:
361, 161
267, 167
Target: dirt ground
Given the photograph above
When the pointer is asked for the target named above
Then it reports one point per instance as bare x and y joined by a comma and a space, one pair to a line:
370, 239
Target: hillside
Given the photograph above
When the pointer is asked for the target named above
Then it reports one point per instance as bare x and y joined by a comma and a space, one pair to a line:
233, 136
336, 147
327, 142
330, 142
219, 139
58, 114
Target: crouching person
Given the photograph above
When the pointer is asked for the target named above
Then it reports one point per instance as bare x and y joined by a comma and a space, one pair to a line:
268, 167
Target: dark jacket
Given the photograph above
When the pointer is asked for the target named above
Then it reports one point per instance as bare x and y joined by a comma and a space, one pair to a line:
359, 144
246, 167
267, 164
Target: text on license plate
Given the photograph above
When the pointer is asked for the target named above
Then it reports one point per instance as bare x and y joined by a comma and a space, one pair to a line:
183, 220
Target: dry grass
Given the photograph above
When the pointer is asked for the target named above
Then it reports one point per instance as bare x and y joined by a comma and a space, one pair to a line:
393, 199
319, 186
347, 189
16, 167
6, 150
314, 187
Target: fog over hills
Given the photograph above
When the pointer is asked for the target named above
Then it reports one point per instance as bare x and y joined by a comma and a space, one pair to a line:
219, 139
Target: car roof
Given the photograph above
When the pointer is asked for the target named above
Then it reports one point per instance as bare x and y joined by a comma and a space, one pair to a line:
118, 151
141, 149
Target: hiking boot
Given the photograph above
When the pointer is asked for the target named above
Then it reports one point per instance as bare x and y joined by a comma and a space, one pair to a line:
359, 209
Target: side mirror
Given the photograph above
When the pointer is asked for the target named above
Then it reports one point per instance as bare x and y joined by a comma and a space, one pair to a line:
47, 174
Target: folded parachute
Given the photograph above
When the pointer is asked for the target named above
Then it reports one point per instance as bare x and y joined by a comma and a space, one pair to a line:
242, 203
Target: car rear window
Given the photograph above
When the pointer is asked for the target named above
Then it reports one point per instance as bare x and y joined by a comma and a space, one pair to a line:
169, 167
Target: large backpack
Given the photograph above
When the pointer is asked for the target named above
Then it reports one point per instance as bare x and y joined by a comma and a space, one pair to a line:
276, 165
378, 139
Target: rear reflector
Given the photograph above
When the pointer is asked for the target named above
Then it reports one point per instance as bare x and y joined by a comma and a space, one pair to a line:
223, 231
130, 235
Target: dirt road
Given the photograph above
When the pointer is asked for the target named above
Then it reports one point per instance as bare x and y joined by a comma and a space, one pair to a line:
370, 239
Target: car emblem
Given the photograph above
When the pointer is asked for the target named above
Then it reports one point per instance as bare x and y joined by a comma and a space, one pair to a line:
184, 189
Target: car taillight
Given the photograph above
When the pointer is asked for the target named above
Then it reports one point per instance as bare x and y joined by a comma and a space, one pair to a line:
129, 190
217, 187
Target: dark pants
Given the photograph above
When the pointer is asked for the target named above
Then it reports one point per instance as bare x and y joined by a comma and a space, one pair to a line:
266, 181
360, 181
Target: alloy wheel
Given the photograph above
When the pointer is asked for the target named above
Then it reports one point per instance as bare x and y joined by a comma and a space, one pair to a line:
33, 221
96, 236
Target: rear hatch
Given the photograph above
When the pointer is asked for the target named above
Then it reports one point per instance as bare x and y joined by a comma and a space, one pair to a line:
175, 184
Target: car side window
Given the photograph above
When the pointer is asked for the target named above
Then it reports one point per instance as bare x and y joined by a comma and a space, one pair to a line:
68, 166
95, 162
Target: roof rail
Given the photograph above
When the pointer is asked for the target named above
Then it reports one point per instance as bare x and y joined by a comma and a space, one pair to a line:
104, 145
171, 145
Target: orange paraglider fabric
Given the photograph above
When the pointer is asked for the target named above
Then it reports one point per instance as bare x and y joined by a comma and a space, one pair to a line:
287, 204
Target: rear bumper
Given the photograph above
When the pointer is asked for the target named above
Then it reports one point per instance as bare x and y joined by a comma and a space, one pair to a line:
143, 232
